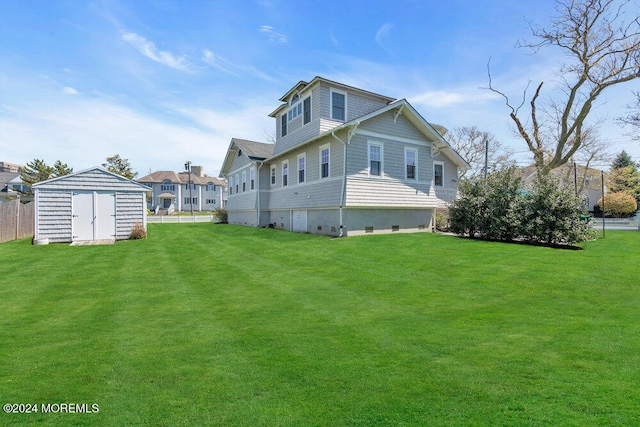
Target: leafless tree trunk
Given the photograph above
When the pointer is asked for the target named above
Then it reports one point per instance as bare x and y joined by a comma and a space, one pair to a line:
602, 40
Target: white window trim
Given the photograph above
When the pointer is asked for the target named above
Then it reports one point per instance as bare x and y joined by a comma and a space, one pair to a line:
375, 144
301, 156
288, 174
244, 181
436, 162
310, 110
237, 183
273, 173
231, 186
415, 158
320, 149
252, 177
331, 92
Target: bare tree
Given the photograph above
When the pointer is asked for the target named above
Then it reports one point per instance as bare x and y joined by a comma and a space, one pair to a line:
469, 142
603, 47
633, 119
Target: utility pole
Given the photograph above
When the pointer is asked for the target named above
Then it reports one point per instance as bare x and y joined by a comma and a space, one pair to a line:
187, 166
486, 159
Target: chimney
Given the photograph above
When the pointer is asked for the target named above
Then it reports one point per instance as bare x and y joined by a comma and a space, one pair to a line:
196, 170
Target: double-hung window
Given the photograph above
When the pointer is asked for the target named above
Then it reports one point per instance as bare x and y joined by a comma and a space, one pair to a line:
301, 168
283, 125
252, 178
273, 175
237, 183
244, 181
307, 110
438, 174
410, 156
285, 173
375, 159
230, 185
324, 161
211, 186
338, 106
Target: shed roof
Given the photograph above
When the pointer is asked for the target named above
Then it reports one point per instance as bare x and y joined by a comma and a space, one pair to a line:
95, 178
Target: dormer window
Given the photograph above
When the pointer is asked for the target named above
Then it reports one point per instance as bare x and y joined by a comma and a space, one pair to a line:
338, 105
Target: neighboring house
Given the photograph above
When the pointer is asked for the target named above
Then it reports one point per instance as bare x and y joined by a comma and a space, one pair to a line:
171, 191
587, 181
10, 185
93, 204
345, 162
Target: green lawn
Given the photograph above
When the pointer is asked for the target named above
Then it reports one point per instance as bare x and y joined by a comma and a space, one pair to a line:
206, 324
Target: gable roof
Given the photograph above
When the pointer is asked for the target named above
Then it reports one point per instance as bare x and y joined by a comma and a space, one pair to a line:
254, 151
96, 176
433, 132
302, 85
178, 178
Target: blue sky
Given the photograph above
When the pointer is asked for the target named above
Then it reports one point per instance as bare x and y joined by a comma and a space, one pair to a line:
160, 82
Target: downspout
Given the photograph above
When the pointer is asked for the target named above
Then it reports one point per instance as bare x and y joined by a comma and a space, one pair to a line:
258, 189
344, 179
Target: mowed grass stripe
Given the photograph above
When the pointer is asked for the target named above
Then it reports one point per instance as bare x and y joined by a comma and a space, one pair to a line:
211, 324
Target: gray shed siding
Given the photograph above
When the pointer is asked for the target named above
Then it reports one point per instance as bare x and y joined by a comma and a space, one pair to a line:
53, 215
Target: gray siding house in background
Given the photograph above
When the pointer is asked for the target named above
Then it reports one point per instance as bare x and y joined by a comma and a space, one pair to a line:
93, 204
345, 162
172, 191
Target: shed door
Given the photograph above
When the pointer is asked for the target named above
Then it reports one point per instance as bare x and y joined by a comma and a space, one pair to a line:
82, 223
105, 216
300, 221
94, 215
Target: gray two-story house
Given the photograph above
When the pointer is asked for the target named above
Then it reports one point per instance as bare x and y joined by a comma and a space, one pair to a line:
345, 162
176, 192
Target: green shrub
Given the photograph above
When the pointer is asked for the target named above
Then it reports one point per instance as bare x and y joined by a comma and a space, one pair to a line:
138, 232
442, 220
221, 215
501, 209
619, 204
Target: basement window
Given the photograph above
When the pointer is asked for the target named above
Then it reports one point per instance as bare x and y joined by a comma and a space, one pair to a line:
395, 228
368, 229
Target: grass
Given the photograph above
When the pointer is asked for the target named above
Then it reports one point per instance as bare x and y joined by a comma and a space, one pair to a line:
205, 324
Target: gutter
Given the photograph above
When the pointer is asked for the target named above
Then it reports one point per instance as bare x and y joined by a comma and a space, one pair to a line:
350, 134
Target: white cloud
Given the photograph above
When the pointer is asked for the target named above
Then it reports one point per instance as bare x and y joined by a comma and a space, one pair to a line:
149, 50
382, 36
69, 91
272, 35
216, 61
440, 98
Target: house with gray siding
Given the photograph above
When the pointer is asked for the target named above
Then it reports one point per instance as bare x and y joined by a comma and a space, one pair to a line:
173, 191
93, 204
345, 161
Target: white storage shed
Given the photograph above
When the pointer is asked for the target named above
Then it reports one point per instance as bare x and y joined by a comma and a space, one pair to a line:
93, 204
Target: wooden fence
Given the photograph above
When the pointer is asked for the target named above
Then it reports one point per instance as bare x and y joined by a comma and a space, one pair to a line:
16, 220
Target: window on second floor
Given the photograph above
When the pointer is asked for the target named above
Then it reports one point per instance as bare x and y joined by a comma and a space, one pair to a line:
167, 185
285, 173
438, 174
375, 159
338, 106
307, 110
211, 186
273, 175
410, 156
283, 125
